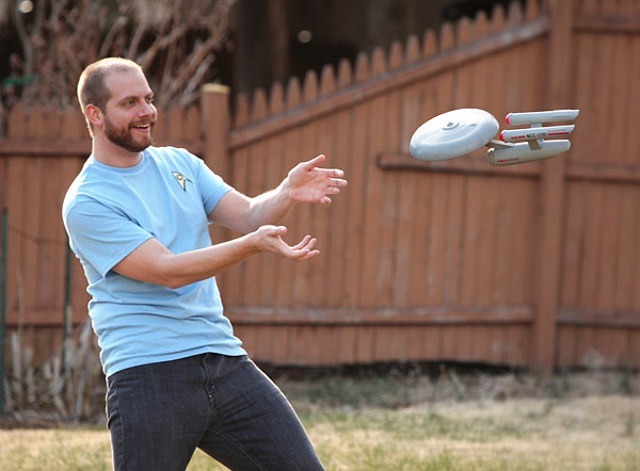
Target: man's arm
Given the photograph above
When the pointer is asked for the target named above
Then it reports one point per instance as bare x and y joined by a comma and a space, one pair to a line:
152, 262
306, 182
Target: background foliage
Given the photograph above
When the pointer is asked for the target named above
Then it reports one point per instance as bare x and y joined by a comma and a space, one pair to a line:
176, 42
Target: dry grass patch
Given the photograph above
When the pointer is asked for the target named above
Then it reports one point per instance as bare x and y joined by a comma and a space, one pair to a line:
598, 433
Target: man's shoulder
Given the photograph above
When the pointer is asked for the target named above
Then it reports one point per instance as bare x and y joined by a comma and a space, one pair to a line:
170, 151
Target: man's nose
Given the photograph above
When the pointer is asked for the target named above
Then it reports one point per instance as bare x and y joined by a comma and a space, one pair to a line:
147, 109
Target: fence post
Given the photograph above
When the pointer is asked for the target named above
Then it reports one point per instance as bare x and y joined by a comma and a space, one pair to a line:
4, 224
552, 194
214, 106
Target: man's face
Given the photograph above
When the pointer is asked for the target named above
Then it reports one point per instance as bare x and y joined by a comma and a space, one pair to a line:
129, 114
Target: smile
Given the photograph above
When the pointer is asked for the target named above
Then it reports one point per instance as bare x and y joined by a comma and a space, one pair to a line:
142, 127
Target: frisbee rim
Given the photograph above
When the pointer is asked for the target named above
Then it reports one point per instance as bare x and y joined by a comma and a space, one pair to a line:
432, 142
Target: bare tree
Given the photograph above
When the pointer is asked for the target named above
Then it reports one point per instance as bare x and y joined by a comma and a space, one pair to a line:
175, 41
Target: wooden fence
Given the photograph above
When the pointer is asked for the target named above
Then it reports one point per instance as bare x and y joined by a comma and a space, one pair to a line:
535, 265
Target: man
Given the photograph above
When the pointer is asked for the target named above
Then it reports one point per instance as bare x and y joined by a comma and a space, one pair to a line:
137, 217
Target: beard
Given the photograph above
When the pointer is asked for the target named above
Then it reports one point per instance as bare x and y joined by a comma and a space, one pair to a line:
124, 138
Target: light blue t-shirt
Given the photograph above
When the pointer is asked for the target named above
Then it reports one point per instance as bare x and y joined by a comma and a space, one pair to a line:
108, 212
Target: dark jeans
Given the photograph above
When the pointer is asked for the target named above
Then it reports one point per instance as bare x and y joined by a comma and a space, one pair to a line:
159, 413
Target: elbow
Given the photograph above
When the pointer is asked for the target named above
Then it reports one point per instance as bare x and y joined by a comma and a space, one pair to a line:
153, 263
167, 273
172, 283
177, 281
167, 279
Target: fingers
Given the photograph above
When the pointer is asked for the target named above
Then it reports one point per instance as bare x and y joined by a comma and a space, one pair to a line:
306, 256
336, 179
333, 187
307, 242
317, 160
270, 240
335, 174
308, 182
332, 183
304, 249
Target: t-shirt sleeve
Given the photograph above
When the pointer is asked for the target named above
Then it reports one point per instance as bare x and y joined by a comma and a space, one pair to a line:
101, 235
212, 186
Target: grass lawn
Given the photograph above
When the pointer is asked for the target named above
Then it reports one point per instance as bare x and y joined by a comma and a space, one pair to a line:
410, 424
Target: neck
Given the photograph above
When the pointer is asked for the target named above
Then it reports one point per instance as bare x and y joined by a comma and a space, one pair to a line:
115, 156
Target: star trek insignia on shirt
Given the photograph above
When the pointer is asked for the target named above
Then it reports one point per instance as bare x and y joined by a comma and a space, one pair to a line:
181, 179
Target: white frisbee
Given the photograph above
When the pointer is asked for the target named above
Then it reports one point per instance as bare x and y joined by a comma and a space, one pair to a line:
453, 134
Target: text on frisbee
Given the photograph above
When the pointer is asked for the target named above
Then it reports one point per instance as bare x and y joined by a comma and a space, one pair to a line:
459, 132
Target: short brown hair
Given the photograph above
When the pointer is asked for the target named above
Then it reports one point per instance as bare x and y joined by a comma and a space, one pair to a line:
91, 85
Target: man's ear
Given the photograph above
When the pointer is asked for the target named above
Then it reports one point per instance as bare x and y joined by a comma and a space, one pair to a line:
94, 115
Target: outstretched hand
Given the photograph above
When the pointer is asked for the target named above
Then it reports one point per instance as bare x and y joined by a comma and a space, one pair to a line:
309, 183
269, 239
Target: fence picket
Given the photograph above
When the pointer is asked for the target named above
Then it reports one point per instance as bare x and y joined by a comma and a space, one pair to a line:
191, 116
498, 19
429, 44
464, 31
362, 67
532, 11
73, 124
38, 123
480, 26
412, 50
310, 87
16, 124
395, 55
305, 216
241, 110
608, 7
589, 8
294, 93
627, 251
341, 155
258, 105
447, 39
276, 99
345, 75
515, 15
327, 80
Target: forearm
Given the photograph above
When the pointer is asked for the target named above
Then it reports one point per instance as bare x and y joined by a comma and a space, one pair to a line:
196, 265
305, 183
244, 214
269, 207
152, 262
